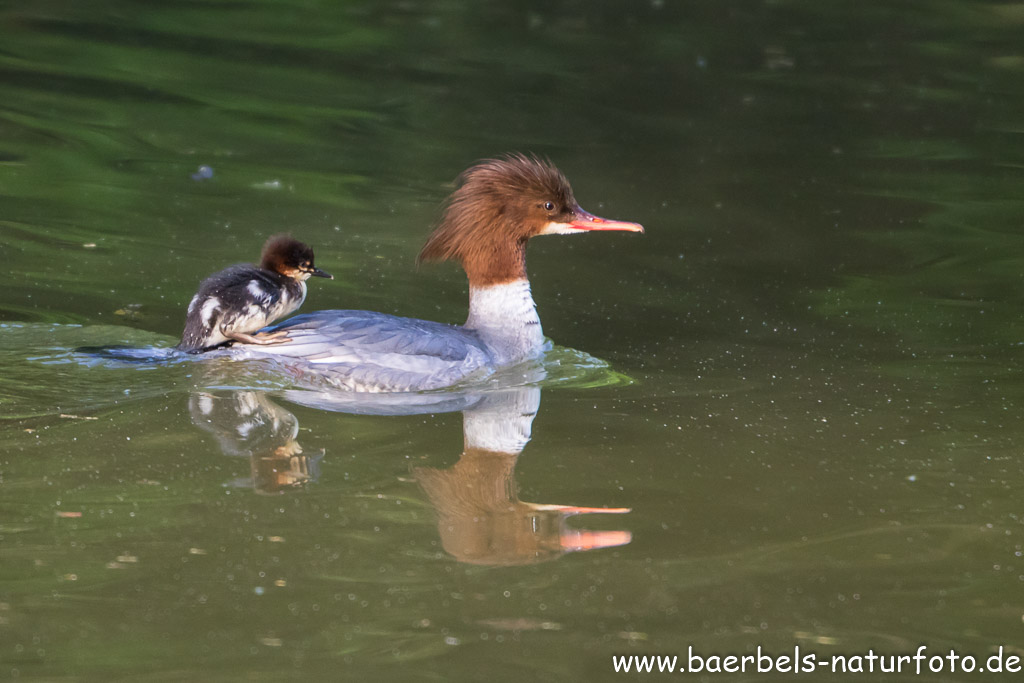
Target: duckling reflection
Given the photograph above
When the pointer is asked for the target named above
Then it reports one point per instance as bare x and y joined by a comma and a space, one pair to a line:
480, 517
248, 423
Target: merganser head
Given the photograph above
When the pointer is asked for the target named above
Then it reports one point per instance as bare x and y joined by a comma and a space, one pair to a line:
497, 206
286, 255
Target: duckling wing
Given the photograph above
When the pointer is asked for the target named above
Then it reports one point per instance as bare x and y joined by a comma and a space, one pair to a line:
242, 284
369, 351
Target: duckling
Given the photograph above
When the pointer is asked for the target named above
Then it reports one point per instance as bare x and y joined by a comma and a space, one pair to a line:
237, 301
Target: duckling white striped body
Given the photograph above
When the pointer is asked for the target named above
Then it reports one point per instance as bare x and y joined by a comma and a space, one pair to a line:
240, 299
236, 302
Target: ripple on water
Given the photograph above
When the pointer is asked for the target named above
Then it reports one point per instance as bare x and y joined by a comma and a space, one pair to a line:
54, 368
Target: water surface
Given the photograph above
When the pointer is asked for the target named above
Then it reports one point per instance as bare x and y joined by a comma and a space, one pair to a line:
819, 437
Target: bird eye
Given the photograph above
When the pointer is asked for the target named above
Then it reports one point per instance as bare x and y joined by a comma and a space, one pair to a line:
549, 206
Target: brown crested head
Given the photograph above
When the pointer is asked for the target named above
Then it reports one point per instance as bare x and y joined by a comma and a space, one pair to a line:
497, 206
288, 256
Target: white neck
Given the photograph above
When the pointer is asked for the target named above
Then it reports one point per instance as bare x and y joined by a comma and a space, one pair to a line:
506, 319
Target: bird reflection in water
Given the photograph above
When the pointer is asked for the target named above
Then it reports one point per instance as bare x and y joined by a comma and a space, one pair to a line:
480, 518
248, 423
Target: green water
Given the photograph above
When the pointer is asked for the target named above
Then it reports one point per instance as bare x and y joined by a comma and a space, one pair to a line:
820, 440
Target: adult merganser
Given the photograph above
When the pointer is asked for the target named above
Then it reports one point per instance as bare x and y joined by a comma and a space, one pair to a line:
244, 298
498, 205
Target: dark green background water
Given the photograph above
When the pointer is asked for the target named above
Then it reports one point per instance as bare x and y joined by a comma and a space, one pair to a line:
822, 442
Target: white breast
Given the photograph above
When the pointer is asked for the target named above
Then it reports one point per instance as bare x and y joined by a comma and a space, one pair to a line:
506, 319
